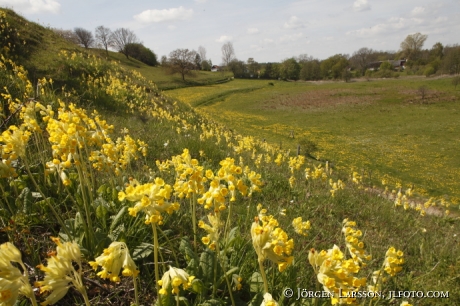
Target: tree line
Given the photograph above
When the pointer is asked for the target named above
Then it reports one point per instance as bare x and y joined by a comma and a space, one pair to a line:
122, 40
411, 58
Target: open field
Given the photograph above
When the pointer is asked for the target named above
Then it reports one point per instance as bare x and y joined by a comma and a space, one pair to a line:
112, 193
383, 126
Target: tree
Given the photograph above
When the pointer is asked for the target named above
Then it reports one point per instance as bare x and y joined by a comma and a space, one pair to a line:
386, 66
206, 65
361, 59
164, 61
333, 67
122, 38
143, 54
202, 53
290, 69
253, 67
103, 38
451, 61
68, 35
182, 61
412, 45
228, 53
238, 68
84, 37
198, 61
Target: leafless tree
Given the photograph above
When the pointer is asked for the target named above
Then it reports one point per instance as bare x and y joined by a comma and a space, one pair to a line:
412, 45
228, 53
182, 61
361, 59
202, 53
122, 38
103, 37
85, 37
68, 35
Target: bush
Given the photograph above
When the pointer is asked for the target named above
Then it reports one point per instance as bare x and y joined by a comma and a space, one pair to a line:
429, 70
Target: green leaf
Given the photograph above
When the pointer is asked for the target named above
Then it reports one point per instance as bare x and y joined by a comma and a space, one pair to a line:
118, 218
207, 265
212, 302
256, 283
197, 286
142, 251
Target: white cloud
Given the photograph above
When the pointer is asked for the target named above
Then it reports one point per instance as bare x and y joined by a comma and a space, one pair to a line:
171, 14
201, 1
268, 40
224, 38
390, 26
293, 23
419, 10
33, 6
292, 37
253, 30
361, 5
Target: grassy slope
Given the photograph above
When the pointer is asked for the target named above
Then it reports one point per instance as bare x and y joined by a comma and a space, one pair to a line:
382, 125
431, 249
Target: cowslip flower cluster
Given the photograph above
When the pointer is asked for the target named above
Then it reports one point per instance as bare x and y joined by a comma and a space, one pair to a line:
335, 186
60, 272
13, 144
173, 279
213, 230
270, 241
354, 245
301, 227
336, 274
112, 260
12, 281
393, 261
151, 198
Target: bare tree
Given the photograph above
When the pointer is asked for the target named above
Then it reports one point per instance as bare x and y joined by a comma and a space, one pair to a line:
228, 53
122, 38
68, 35
362, 58
202, 53
103, 37
85, 37
182, 61
412, 45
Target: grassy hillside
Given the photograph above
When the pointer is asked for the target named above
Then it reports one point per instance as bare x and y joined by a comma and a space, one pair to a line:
108, 187
383, 126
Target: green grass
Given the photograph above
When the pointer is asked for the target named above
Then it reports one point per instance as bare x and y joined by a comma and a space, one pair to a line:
327, 113
382, 126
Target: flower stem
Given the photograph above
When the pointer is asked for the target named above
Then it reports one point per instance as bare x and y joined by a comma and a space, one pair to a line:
155, 258
136, 291
264, 276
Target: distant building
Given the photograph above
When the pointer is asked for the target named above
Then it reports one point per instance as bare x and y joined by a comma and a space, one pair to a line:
397, 64
215, 68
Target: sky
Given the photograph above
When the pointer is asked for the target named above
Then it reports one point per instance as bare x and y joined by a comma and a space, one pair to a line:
266, 30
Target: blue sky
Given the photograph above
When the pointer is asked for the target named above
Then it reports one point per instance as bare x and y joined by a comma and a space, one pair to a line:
267, 30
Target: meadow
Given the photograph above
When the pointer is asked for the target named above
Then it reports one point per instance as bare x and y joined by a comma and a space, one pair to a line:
114, 193
381, 127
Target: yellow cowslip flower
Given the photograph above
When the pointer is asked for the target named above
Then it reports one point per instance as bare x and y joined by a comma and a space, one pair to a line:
151, 198
215, 196
271, 242
405, 303
173, 279
60, 273
112, 260
12, 281
237, 280
354, 245
393, 261
213, 230
301, 227
268, 300
336, 274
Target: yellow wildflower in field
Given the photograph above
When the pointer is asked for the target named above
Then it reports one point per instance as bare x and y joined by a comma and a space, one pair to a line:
268, 300
213, 231
301, 227
336, 274
13, 143
237, 282
271, 242
393, 261
60, 272
151, 198
112, 260
12, 281
173, 279
354, 245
